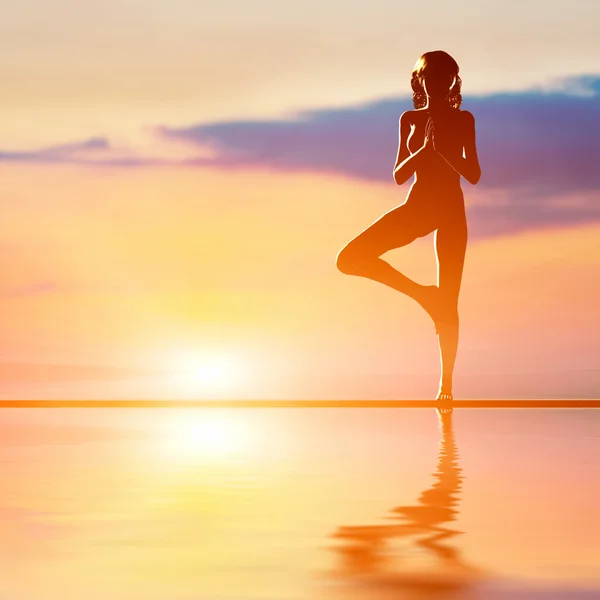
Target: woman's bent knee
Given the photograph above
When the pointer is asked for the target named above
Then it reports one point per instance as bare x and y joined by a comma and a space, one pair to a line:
348, 261
344, 261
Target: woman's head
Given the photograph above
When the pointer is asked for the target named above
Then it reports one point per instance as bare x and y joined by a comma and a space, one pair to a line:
436, 75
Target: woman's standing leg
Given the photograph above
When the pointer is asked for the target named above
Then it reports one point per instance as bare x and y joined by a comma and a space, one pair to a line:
451, 245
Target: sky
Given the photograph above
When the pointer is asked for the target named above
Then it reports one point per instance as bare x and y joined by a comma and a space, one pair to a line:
177, 179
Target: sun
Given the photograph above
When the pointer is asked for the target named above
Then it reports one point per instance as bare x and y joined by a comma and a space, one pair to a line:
207, 374
211, 374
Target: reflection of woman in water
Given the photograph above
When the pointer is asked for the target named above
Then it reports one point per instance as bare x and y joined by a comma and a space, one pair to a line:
437, 144
366, 551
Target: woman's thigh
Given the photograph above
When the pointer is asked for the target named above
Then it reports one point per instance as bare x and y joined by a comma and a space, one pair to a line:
451, 245
398, 227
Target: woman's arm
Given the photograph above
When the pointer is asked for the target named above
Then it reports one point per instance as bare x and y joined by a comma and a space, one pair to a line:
406, 164
467, 166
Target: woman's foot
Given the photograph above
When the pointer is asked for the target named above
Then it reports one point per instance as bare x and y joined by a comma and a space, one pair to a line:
443, 318
445, 394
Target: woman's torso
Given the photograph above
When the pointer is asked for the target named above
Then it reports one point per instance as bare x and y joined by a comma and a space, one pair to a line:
448, 133
436, 193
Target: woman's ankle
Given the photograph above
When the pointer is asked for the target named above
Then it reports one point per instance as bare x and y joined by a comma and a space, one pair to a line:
446, 386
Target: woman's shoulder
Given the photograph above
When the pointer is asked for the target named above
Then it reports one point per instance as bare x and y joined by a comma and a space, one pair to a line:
411, 116
464, 117
407, 119
467, 118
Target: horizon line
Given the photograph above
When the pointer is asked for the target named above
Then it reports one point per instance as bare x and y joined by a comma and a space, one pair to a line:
521, 403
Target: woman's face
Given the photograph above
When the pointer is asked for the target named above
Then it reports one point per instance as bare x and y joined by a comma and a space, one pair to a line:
437, 85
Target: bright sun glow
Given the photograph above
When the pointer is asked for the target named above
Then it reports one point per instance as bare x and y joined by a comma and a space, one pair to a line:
212, 432
210, 374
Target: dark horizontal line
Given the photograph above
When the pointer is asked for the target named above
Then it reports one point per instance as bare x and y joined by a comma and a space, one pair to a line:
297, 404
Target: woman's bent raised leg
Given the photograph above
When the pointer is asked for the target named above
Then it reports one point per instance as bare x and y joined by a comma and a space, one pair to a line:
396, 228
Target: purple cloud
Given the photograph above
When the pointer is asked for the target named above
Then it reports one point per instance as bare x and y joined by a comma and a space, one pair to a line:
96, 151
544, 141
57, 153
533, 145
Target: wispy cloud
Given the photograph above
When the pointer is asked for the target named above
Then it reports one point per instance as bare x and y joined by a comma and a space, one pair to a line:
92, 151
538, 149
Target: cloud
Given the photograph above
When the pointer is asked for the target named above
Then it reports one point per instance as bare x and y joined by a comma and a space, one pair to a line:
535, 147
538, 150
544, 142
544, 138
92, 151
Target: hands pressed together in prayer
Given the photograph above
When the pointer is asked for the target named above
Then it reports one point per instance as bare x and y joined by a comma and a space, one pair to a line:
430, 135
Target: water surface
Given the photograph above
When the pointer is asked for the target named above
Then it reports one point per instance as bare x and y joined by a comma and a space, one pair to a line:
299, 503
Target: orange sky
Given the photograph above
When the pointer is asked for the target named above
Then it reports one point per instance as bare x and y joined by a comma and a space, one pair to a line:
148, 266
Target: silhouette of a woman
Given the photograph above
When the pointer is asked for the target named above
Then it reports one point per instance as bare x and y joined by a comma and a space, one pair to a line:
437, 144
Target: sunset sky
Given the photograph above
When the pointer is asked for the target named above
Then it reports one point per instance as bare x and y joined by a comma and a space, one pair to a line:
176, 180
178, 177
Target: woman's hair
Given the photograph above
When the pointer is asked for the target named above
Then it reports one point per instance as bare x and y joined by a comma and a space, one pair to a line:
439, 63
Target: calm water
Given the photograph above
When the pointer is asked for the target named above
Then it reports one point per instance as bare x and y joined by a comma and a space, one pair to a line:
302, 503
